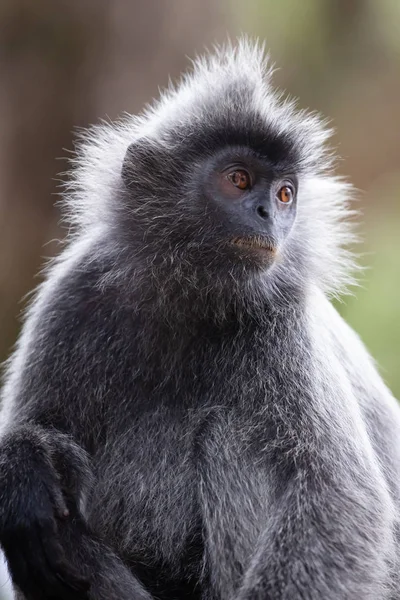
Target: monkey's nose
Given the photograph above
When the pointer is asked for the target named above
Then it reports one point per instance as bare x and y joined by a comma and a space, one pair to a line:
262, 212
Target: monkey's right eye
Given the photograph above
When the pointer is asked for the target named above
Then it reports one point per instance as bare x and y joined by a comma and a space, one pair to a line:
234, 181
240, 179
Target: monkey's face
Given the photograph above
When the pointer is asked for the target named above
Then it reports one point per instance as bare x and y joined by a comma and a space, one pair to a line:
224, 209
250, 202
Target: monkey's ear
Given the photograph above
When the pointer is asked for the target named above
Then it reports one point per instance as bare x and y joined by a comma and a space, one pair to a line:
128, 166
140, 157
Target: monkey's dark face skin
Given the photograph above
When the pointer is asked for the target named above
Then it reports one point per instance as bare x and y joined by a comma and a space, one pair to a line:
252, 202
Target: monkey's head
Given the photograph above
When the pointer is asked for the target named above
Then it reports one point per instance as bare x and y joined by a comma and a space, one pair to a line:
221, 193
221, 185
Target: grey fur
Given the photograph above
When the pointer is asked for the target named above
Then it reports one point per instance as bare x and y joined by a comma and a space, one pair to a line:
216, 432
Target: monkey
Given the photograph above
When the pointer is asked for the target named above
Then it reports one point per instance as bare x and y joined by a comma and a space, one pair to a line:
185, 414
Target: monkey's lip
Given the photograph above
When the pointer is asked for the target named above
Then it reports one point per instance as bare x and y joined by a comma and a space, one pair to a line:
254, 243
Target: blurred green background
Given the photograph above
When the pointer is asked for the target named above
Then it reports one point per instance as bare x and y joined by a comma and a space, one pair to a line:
66, 63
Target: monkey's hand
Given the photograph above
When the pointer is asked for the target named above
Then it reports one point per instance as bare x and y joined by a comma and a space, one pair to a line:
32, 503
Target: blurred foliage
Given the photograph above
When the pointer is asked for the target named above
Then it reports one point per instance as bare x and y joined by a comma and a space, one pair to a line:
374, 310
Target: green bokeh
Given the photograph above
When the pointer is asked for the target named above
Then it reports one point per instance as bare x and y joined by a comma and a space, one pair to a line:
374, 310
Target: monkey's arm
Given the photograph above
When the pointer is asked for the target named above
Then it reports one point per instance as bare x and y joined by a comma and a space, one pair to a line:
32, 501
308, 501
380, 409
50, 551
311, 544
52, 415
331, 521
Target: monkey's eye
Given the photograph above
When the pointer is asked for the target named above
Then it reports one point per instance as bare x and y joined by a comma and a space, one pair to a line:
240, 179
285, 194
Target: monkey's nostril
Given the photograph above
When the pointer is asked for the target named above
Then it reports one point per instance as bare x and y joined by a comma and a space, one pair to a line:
262, 212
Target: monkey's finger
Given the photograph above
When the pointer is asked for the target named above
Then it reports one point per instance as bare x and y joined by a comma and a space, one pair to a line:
47, 583
65, 572
41, 572
68, 575
48, 537
58, 500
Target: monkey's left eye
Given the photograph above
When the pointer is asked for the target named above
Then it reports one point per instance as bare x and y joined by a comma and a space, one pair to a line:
240, 179
285, 194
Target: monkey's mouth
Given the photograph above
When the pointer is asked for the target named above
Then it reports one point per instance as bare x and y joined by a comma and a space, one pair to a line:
255, 242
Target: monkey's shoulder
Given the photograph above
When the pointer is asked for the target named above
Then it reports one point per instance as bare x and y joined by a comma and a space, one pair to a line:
76, 340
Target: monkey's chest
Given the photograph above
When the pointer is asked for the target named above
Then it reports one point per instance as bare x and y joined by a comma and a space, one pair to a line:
176, 484
146, 501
